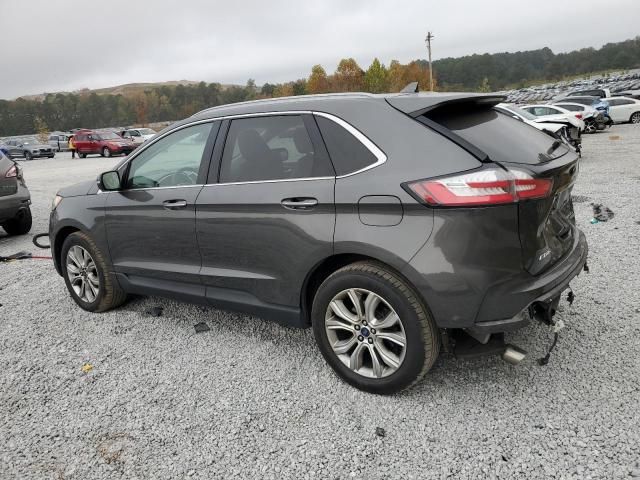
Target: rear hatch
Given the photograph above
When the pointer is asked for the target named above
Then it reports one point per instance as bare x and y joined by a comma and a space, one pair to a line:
546, 225
8, 181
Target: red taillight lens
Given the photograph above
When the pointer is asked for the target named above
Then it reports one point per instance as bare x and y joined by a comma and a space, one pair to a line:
578, 115
12, 172
483, 187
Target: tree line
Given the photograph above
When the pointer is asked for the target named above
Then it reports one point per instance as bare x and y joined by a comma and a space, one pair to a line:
63, 111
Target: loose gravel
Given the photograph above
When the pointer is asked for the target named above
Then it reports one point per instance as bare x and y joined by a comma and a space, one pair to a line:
128, 395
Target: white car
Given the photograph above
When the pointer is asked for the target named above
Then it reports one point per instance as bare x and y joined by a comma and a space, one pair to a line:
593, 119
554, 113
563, 129
623, 109
138, 135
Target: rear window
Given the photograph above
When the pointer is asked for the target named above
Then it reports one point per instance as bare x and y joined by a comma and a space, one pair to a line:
347, 152
500, 136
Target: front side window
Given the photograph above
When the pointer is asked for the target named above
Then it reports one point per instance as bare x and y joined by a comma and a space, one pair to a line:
275, 147
171, 161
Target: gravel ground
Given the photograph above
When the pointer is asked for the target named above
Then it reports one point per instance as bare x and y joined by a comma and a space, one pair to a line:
252, 399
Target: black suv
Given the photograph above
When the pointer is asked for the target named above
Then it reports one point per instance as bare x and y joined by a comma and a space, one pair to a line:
381, 221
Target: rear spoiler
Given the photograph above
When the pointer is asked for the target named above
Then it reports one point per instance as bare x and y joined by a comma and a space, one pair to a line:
416, 104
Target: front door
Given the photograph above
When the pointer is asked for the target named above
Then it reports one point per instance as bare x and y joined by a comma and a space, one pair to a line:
150, 222
270, 218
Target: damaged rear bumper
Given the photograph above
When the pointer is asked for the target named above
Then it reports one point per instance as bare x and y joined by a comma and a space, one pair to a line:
541, 289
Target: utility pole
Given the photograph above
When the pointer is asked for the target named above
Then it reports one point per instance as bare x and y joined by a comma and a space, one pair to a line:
430, 36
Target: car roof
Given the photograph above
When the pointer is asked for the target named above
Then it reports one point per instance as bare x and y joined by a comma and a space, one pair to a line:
405, 102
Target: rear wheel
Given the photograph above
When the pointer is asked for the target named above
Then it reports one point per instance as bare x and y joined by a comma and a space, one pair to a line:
635, 117
590, 127
373, 330
28, 155
106, 152
83, 155
19, 225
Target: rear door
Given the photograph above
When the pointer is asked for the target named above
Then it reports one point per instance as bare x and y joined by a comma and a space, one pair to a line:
267, 215
151, 220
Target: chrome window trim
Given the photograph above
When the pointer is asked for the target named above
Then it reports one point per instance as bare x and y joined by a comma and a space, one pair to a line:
362, 138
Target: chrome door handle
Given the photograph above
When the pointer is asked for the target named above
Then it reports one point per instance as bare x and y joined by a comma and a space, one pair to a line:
174, 204
299, 203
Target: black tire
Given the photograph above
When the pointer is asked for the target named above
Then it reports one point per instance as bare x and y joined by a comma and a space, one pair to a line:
635, 118
422, 336
106, 152
21, 224
28, 156
83, 155
110, 295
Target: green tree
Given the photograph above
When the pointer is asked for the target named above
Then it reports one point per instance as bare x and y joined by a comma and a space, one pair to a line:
376, 78
484, 86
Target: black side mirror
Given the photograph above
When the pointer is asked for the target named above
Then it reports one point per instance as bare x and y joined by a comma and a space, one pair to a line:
109, 181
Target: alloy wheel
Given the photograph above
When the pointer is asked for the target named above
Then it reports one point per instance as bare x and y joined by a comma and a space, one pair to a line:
635, 118
365, 333
83, 274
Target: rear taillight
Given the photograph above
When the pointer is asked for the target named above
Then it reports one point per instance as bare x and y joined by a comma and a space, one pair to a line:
579, 115
12, 172
482, 187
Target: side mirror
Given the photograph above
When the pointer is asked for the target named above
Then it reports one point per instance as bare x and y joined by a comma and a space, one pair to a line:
109, 181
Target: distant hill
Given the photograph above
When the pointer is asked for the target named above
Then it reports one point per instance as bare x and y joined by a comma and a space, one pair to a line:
128, 89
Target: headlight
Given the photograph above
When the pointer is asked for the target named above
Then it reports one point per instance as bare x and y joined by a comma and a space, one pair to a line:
56, 201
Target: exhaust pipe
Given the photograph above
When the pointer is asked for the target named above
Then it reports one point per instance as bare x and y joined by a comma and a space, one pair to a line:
513, 354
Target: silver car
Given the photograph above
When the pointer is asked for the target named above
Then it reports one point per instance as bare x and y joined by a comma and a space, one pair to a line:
29, 148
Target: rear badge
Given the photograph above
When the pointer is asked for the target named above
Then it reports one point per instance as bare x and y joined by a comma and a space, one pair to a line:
544, 255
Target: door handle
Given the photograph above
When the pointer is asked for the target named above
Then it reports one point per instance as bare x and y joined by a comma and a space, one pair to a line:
304, 203
174, 204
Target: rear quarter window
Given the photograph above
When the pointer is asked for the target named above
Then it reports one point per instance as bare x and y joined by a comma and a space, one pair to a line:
347, 153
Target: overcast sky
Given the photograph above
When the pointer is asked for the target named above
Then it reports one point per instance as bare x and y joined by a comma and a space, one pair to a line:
62, 45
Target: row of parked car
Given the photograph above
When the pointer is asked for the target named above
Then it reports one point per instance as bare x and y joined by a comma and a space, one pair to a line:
581, 111
100, 142
620, 84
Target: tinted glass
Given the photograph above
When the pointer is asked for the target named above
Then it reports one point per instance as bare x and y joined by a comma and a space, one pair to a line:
271, 148
172, 161
501, 137
347, 153
572, 108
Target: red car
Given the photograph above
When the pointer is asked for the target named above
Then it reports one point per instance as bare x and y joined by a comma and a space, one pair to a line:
102, 143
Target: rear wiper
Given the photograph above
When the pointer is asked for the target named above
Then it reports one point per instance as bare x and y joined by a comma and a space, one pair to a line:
554, 146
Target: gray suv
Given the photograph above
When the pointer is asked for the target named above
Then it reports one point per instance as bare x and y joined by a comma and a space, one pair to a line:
385, 222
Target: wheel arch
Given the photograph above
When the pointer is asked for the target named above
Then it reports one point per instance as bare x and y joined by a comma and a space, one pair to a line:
57, 242
329, 265
637, 112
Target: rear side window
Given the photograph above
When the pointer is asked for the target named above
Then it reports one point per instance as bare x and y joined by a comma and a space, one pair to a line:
347, 153
500, 136
271, 148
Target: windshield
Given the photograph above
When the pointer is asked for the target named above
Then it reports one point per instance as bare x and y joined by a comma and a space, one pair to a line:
147, 131
28, 141
109, 136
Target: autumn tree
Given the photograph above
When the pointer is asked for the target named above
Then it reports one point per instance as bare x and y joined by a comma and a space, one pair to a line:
41, 128
376, 78
318, 81
348, 77
484, 86
395, 76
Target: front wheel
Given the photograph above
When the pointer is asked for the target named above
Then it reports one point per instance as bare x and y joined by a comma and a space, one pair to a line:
106, 152
21, 224
83, 155
373, 330
28, 155
635, 117
86, 273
